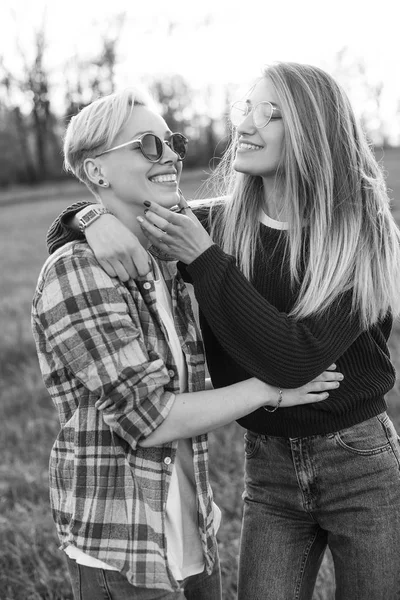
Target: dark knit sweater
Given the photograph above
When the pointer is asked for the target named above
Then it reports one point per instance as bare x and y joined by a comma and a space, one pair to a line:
247, 332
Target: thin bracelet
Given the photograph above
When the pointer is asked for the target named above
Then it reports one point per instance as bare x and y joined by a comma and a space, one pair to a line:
266, 407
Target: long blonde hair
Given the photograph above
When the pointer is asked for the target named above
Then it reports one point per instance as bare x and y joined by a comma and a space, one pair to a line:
342, 234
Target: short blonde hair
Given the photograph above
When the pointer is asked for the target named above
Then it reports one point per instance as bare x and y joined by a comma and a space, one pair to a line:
96, 126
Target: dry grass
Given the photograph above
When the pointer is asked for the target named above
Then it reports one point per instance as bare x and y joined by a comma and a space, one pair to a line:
31, 567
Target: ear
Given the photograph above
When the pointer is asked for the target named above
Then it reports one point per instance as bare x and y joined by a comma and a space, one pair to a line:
92, 170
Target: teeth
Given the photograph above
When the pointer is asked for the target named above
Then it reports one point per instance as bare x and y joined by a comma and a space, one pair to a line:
249, 146
163, 178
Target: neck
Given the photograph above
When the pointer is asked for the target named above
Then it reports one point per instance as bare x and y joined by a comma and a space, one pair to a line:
273, 200
127, 215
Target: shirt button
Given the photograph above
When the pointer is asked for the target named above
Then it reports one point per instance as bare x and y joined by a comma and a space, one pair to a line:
167, 460
171, 373
147, 285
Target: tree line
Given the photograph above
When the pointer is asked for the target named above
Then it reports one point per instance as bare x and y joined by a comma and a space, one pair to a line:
31, 129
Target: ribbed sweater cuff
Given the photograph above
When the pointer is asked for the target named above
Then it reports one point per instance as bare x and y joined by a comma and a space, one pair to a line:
209, 259
59, 233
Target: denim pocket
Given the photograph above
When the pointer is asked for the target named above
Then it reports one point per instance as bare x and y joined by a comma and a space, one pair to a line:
251, 443
366, 439
392, 435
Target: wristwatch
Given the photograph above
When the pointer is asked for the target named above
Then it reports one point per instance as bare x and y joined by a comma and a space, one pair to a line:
92, 215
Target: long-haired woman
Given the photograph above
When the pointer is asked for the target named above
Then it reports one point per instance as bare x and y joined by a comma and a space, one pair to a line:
301, 269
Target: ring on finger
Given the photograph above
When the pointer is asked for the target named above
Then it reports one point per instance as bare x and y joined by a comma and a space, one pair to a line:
160, 239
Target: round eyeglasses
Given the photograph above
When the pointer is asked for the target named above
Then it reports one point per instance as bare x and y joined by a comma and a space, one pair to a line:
262, 113
152, 147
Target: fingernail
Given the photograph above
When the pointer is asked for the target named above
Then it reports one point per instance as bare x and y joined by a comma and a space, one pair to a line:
147, 203
140, 219
146, 211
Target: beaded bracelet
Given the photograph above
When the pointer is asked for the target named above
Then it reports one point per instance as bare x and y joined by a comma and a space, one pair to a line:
274, 408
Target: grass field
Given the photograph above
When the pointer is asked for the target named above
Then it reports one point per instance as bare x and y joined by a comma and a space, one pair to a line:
31, 567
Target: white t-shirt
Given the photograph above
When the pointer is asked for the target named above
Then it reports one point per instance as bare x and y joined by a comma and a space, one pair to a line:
273, 223
184, 550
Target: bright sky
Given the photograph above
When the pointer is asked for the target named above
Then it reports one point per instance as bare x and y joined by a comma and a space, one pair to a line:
212, 41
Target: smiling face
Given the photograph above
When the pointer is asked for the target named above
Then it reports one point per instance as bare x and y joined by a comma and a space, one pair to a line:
259, 151
132, 177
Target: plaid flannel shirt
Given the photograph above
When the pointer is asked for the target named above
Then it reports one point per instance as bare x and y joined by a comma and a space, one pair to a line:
107, 365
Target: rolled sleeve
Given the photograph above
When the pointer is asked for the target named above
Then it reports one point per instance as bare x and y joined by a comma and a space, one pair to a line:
90, 330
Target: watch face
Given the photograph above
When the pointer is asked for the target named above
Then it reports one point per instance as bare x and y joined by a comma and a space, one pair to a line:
88, 218
89, 215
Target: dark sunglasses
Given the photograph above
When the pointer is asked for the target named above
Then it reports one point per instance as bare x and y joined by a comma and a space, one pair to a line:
152, 147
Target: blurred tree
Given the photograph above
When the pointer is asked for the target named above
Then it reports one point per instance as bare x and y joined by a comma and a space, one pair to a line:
28, 99
10, 156
36, 85
173, 93
16, 160
74, 94
89, 79
189, 112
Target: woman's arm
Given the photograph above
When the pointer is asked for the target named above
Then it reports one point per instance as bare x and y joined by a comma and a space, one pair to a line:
116, 248
201, 412
267, 343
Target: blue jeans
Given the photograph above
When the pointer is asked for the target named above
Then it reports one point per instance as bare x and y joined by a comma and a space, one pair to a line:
302, 494
89, 583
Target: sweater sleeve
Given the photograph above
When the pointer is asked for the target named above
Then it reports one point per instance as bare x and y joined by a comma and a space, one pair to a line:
201, 209
268, 344
59, 233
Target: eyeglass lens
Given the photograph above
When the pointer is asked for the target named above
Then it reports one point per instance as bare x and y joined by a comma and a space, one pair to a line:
179, 144
152, 146
262, 113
